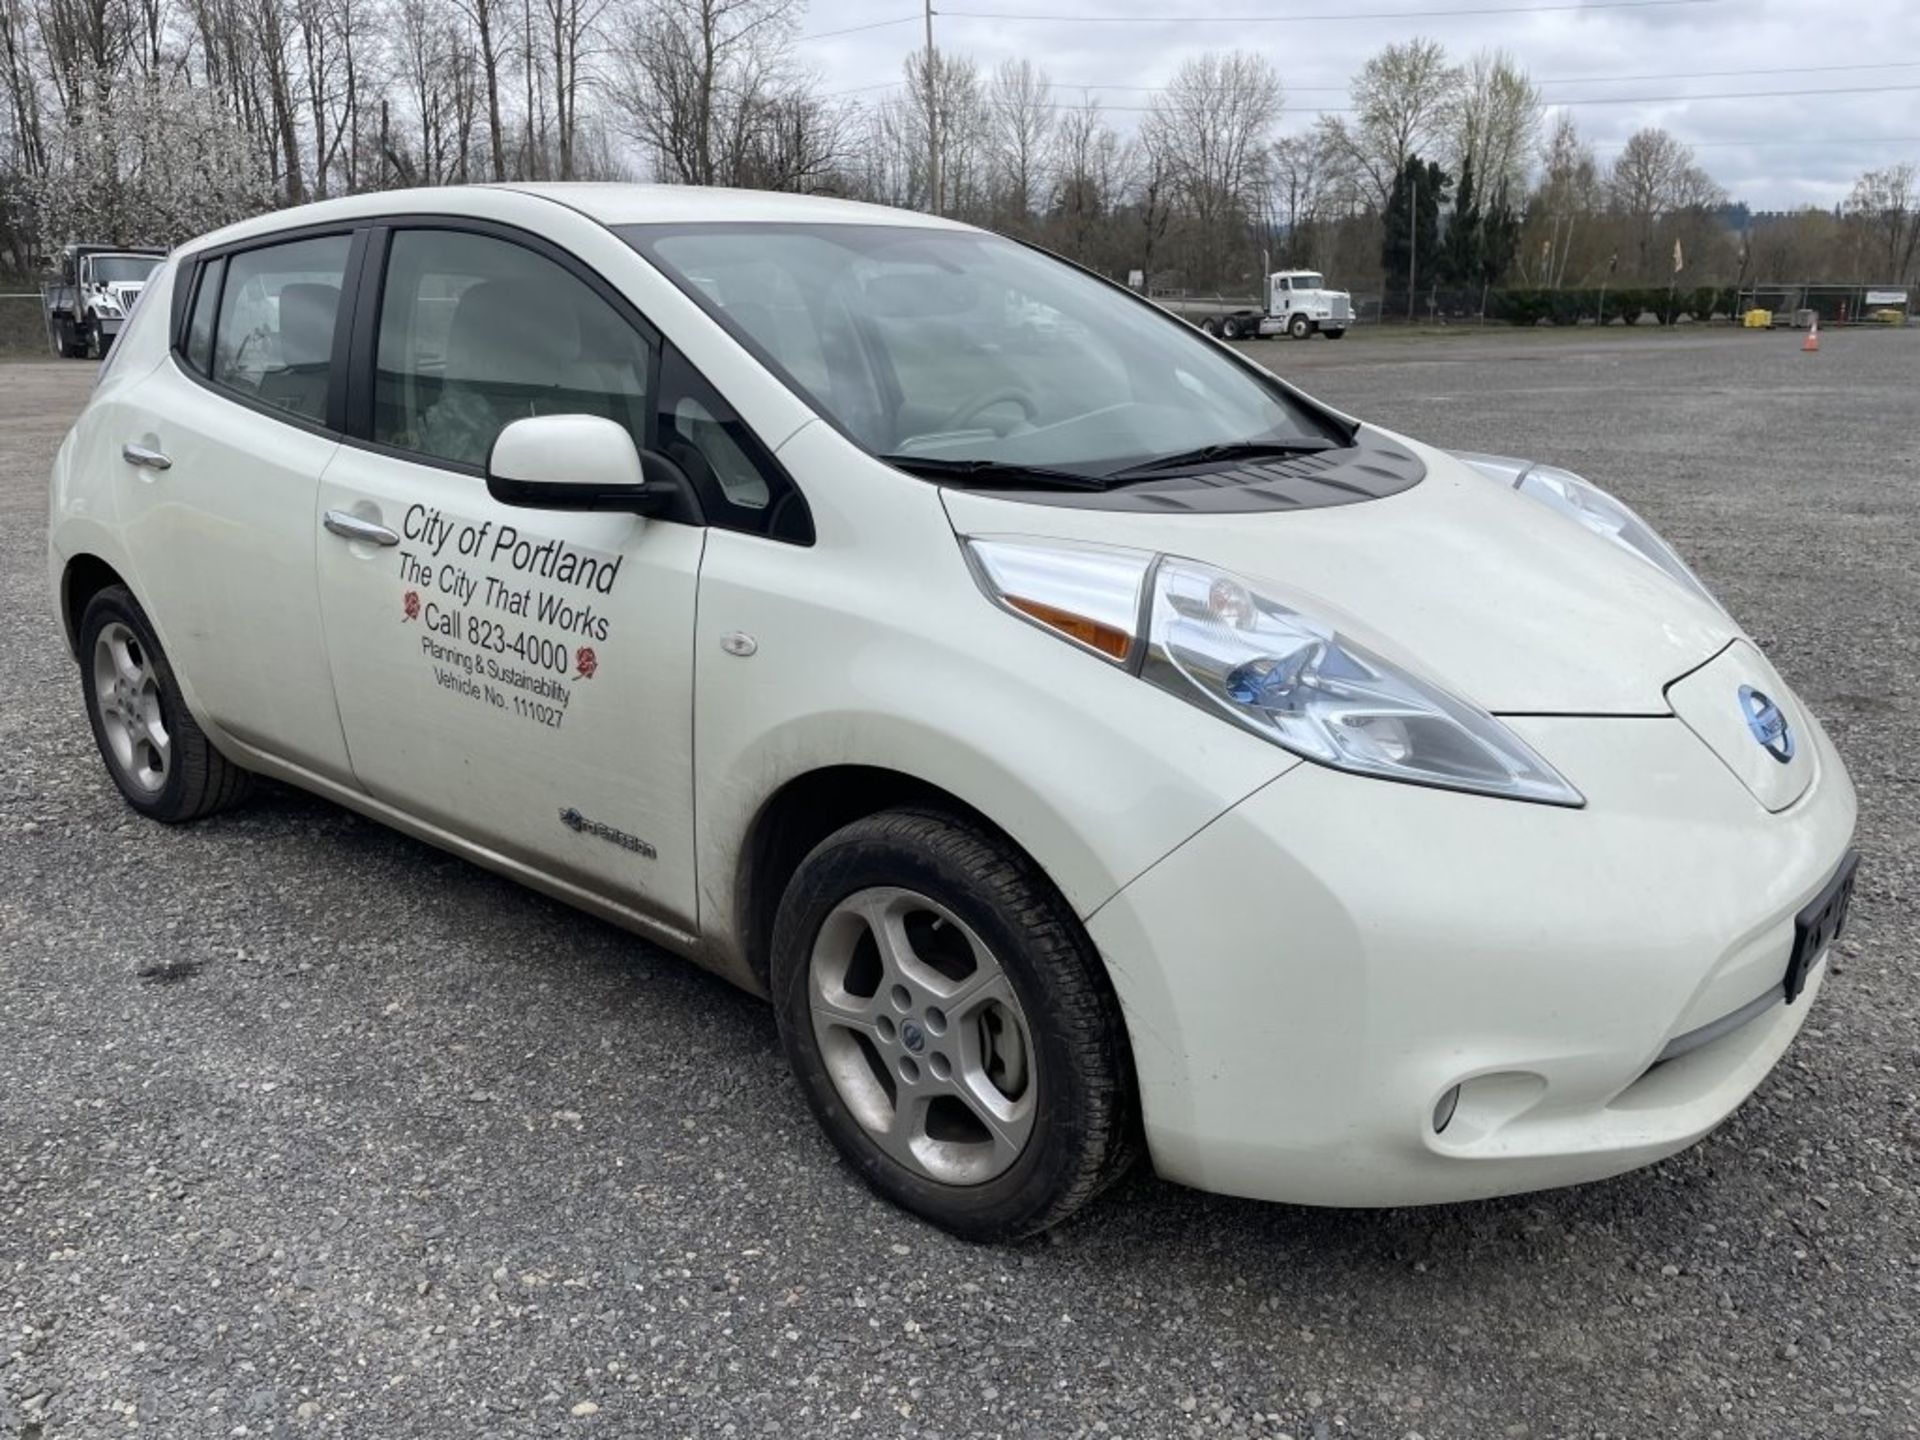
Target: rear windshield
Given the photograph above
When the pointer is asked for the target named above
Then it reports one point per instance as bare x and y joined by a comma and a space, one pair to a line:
961, 345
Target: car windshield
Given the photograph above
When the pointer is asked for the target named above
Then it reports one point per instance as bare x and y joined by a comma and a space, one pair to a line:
1309, 282
122, 269
957, 345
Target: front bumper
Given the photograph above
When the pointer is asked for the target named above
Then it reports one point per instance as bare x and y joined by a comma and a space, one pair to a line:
1305, 979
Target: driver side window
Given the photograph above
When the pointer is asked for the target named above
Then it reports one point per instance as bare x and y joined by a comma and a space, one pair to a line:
477, 332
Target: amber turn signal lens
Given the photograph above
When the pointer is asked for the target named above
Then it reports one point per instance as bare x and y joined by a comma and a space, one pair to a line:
1105, 638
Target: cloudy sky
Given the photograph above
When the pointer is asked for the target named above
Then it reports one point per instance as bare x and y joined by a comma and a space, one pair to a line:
1652, 62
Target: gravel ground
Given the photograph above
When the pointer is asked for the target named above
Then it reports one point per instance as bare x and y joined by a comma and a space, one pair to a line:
308, 1129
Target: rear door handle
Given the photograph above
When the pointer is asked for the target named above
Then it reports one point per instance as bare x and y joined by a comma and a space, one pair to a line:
147, 459
352, 527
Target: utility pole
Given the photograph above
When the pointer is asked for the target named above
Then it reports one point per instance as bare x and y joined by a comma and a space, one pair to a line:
1413, 238
933, 122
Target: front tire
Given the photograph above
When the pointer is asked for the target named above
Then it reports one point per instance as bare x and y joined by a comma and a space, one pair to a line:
159, 757
1299, 327
1333, 334
952, 1025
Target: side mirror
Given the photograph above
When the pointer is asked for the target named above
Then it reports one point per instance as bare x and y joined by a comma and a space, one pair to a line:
583, 462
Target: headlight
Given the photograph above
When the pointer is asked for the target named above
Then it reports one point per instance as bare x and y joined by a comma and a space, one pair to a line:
1229, 646
1582, 500
107, 308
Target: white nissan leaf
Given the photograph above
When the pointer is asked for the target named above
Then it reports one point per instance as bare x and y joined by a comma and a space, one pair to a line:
1091, 743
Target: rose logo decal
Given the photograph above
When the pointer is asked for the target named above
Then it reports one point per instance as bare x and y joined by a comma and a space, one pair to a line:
586, 662
410, 603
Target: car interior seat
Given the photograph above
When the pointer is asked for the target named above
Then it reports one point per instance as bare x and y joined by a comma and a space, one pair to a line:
299, 382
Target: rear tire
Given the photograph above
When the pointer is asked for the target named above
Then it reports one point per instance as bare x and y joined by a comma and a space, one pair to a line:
1210, 326
1230, 328
952, 1025
156, 753
1333, 334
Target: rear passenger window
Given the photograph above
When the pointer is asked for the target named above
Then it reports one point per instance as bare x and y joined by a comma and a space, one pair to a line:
200, 324
477, 332
278, 307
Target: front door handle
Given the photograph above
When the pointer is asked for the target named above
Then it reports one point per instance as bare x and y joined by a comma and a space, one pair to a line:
352, 527
143, 457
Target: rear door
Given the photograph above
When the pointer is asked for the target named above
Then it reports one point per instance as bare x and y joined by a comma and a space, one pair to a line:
228, 438
521, 678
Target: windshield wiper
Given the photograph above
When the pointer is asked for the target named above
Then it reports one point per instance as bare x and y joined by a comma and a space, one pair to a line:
993, 472
1226, 450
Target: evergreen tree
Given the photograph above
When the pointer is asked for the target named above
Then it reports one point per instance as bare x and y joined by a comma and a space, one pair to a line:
1411, 226
1499, 238
1460, 254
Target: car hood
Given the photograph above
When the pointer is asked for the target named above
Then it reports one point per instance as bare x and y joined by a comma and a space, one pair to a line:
1504, 601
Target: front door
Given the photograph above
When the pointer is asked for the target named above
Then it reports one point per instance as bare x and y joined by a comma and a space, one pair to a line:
521, 678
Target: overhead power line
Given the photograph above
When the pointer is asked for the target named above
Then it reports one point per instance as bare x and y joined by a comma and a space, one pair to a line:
1730, 95
991, 103
1327, 19
1728, 74
856, 29
1292, 89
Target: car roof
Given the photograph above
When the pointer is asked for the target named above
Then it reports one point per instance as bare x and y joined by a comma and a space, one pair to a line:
609, 203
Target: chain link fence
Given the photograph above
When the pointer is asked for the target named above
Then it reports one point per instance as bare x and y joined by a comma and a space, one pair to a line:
23, 323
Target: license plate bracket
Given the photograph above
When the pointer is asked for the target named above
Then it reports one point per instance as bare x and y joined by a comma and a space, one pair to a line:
1819, 924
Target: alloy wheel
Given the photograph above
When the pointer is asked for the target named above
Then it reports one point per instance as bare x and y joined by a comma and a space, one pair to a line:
922, 1036
126, 697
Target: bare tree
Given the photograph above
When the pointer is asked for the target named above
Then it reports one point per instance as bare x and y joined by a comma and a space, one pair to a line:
1654, 177
568, 29
1402, 99
1091, 172
1565, 206
491, 22
948, 95
1495, 122
800, 142
693, 78
1153, 204
1021, 117
1309, 187
1885, 208
1212, 127
22, 77
273, 28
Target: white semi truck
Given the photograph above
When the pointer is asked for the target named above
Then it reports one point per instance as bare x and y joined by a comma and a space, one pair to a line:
1298, 303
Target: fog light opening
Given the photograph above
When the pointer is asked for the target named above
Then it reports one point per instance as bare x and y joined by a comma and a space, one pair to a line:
1443, 1112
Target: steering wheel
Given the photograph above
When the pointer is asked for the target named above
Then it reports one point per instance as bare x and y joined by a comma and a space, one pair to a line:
972, 409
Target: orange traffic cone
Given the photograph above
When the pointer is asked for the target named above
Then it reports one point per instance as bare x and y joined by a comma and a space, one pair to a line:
1811, 345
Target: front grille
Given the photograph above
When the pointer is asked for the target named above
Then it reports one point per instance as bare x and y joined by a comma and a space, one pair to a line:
1342, 310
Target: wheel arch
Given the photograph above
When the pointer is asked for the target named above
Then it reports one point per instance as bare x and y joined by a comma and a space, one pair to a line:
805, 810
84, 577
